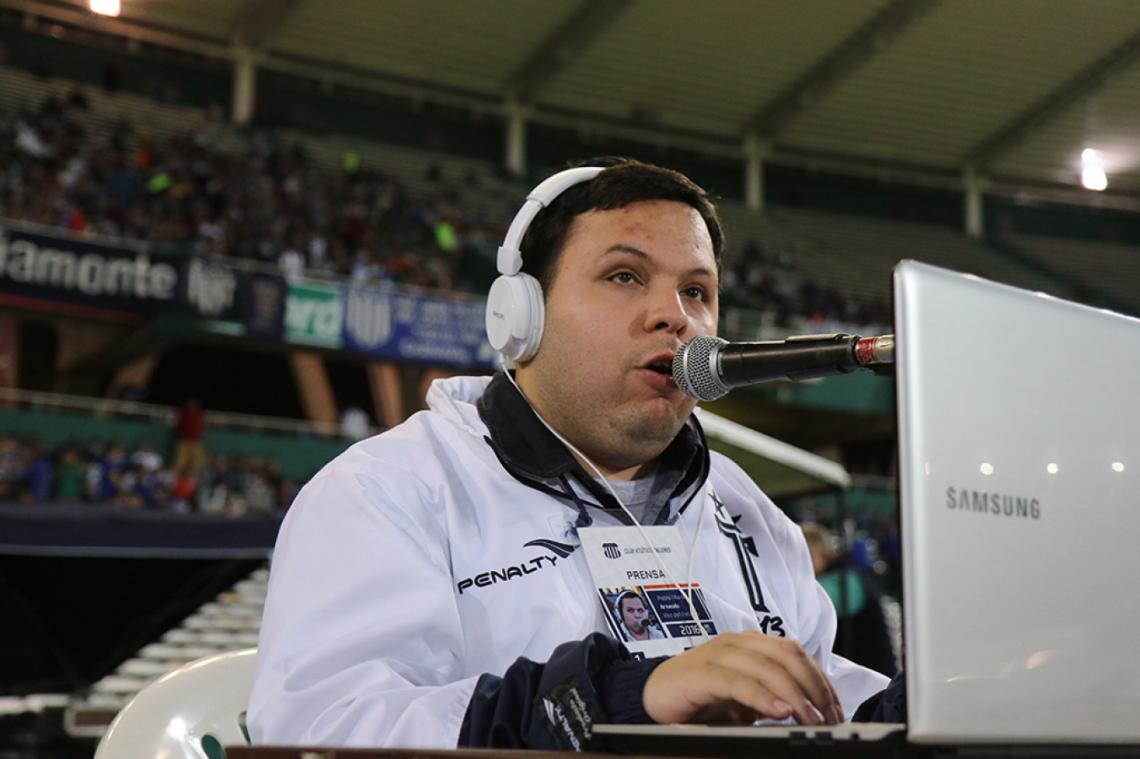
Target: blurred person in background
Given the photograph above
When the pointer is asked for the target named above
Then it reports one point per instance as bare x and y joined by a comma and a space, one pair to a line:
11, 467
145, 457
189, 426
861, 633
354, 423
37, 473
69, 474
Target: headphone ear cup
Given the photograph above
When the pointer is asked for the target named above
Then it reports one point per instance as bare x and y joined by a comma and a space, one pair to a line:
515, 316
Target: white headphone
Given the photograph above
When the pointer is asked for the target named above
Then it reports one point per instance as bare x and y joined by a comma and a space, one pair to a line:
515, 309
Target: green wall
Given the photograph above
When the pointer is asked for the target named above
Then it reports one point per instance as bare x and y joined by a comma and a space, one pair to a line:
299, 457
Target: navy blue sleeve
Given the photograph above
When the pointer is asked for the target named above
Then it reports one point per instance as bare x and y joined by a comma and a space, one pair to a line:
888, 705
555, 705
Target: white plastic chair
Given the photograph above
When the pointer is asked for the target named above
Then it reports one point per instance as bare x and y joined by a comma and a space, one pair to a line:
191, 713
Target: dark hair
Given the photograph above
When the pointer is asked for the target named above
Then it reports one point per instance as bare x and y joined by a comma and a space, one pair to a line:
626, 595
623, 183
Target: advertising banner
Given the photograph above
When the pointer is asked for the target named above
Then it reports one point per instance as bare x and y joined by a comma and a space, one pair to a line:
261, 305
47, 271
233, 300
210, 290
422, 328
314, 313
66, 270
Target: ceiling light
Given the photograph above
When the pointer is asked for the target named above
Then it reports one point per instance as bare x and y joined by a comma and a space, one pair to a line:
1093, 178
105, 7
1092, 170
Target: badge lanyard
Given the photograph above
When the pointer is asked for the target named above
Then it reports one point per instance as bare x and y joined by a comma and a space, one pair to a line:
644, 607
685, 591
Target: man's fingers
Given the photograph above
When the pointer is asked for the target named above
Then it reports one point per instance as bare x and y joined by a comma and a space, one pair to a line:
811, 678
772, 674
726, 684
774, 677
796, 678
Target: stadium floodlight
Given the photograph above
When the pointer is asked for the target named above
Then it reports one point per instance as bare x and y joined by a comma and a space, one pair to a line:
1092, 170
105, 7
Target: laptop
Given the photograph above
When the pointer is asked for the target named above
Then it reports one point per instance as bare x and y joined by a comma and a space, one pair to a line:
1019, 485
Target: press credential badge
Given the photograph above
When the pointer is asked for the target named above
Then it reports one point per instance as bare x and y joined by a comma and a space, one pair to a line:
643, 607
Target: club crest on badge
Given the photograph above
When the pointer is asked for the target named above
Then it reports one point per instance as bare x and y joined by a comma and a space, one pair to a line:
611, 550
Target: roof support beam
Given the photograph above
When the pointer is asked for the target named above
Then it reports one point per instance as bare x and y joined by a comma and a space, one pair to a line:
754, 153
122, 27
974, 207
561, 46
1086, 81
859, 47
256, 21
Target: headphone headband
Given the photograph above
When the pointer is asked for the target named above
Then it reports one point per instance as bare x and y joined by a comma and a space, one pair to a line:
509, 258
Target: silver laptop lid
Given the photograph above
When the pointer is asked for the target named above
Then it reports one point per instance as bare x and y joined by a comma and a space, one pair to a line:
1019, 444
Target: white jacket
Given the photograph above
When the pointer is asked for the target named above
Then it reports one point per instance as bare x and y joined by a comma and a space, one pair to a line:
367, 639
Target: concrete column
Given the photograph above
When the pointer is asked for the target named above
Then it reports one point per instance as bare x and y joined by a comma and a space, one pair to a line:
516, 138
80, 359
245, 86
387, 392
9, 353
975, 223
313, 381
135, 373
755, 150
80, 341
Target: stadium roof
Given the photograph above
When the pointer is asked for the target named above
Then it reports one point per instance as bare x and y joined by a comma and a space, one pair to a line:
1016, 89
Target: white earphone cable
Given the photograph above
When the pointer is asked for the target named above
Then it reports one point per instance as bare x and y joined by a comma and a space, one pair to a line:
687, 592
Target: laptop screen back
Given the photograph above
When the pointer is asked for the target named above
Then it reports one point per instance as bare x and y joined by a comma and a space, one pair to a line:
1019, 443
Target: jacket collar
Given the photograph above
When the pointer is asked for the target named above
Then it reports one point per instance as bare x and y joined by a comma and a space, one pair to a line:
532, 455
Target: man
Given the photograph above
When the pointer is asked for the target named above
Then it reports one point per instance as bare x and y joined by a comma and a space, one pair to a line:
634, 618
427, 587
188, 430
861, 629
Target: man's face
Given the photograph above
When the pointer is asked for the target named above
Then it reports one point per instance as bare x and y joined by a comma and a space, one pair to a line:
630, 287
632, 613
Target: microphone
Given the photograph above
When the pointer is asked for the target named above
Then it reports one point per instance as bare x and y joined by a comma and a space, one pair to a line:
707, 367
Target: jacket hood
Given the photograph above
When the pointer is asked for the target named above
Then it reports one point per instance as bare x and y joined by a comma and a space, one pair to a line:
493, 409
454, 399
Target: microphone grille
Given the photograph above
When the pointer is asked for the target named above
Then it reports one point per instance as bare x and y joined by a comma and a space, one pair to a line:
694, 368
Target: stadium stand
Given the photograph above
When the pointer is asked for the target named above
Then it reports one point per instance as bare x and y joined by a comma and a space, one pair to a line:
63, 449
227, 623
425, 173
855, 254
174, 176
833, 267
1107, 269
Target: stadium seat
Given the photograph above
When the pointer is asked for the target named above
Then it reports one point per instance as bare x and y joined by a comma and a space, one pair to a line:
192, 712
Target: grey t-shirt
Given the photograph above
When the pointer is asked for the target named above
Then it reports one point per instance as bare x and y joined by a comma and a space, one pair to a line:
643, 497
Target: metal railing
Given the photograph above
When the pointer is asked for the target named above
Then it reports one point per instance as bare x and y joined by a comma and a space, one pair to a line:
158, 414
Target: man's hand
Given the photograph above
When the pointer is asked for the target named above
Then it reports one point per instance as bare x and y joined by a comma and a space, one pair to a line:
739, 677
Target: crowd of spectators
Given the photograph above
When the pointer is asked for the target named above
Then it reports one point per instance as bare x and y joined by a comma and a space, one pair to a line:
770, 278
267, 202
108, 474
